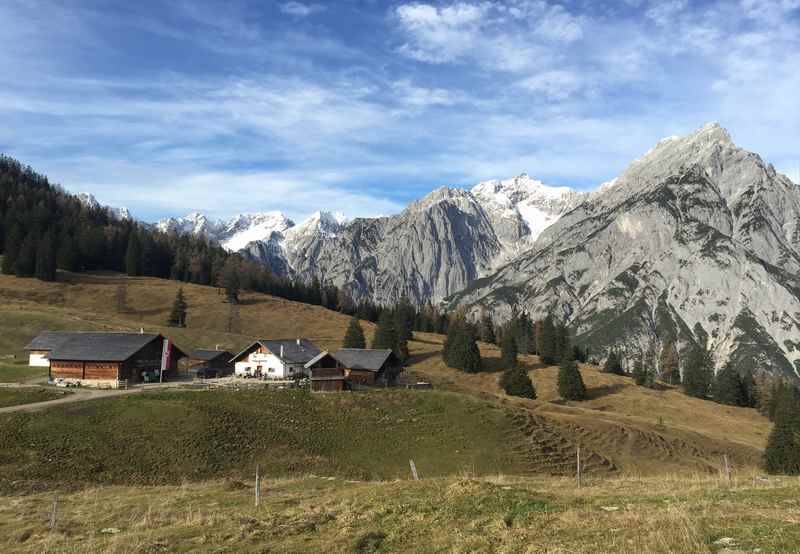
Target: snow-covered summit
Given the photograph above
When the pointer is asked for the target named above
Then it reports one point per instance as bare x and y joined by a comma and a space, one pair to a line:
88, 199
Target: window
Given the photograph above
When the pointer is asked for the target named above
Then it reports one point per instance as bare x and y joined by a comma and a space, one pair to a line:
271, 370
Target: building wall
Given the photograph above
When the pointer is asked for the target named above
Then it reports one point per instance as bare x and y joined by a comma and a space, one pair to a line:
327, 386
66, 370
146, 359
39, 358
360, 376
269, 365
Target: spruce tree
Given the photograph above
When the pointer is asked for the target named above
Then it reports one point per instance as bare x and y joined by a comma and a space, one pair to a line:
230, 281
404, 315
782, 454
354, 337
461, 350
472, 354
25, 264
570, 382
612, 364
487, 329
508, 348
11, 250
385, 334
133, 255
728, 388
639, 372
67, 256
547, 342
516, 382
670, 370
46, 259
698, 373
177, 317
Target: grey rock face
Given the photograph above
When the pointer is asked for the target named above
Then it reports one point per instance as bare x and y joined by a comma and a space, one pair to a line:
695, 242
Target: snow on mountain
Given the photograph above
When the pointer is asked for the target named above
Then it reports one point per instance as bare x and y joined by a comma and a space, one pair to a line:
521, 208
234, 234
89, 200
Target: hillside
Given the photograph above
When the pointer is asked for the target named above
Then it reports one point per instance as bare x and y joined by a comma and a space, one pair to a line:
657, 515
622, 427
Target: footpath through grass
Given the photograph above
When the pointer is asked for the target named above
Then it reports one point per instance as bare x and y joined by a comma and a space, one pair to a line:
171, 437
494, 514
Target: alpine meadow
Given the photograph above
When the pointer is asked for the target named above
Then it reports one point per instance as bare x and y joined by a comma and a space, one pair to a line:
391, 276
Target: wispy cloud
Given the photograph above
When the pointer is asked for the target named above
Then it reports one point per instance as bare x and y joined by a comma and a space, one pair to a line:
298, 9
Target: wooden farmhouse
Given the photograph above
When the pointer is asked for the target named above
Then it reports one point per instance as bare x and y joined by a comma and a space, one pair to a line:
275, 359
368, 367
106, 359
210, 362
325, 373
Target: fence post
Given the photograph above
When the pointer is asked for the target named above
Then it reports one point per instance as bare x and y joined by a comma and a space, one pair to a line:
54, 514
413, 470
258, 487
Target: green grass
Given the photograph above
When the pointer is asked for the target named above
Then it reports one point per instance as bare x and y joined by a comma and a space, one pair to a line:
27, 395
171, 437
20, 372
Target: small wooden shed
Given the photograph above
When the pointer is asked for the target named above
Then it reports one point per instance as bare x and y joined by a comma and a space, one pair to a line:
325, 373
366, 366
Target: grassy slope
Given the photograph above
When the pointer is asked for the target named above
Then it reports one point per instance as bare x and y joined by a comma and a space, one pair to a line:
169, 437
641, 430
27, 395
499, 514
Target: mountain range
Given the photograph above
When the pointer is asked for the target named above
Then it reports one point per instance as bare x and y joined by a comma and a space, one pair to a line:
697, 242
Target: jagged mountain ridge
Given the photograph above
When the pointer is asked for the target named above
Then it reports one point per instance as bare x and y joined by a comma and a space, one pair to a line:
433, 249
697, 241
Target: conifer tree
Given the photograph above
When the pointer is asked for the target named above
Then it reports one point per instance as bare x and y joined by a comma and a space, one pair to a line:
547, 341
782, 454
570, 382
46, 259
404, 320
25, 264
67, 255
177, 317
230, 281
461, 350
133, 256
11, 250
698, 373
639, 371
670, 370
385, 334
728, 388
612, 364
516, 382
354, 337
508, 348
487, 329
472, 355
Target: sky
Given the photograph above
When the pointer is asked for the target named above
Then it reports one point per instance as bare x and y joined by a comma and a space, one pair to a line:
362, 106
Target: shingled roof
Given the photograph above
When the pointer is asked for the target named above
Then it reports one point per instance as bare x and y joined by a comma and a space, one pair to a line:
295, 351
208, 354
363, 359
103, 347
48, 340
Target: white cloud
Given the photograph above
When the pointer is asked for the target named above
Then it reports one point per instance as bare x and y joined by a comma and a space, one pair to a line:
298, 9
440, 35
423, 97
557, 85
664, 12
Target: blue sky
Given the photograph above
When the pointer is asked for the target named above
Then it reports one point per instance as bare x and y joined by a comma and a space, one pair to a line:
361, 106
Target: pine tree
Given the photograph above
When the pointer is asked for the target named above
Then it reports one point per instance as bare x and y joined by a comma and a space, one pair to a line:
508, 348
698, 373
570, 382
404, 320
354, 337
25, 264
461, 350
728, 388
472, 356
670, 370
516, 382
133, 256
46, 259
612, 364
67, 256
177, 317
782, 454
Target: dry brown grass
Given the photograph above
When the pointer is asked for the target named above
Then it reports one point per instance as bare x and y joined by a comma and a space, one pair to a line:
667, 514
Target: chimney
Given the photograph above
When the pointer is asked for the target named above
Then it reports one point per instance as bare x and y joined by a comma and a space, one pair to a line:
298, 342
216, 347
281, 351
141, 330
